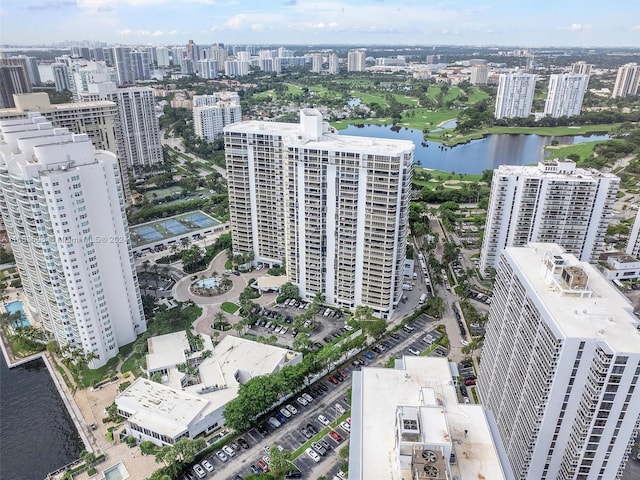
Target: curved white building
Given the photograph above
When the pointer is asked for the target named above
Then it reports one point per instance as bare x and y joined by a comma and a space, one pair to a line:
63, 205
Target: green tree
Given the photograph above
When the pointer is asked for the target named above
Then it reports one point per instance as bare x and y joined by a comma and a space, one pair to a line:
279, 462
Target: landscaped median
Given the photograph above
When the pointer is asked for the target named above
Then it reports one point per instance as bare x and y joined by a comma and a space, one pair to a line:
325, 431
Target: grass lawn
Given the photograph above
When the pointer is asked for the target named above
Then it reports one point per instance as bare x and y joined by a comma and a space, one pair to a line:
406, 100
476, 95
452, 94
584, 150
342, 124
425, 118
544, 131
368, 99
293, 89
268, 93
229, 307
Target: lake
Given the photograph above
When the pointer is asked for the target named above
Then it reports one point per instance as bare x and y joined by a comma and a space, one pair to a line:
477, 155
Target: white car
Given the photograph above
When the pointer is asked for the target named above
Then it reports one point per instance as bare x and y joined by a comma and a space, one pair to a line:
266, 459
292, 409
228, 450
222, 456
207, 465
307, 397
346, 427
313, 454
414, 351
464, 342
323, 420
199, 471
301, 401
339, 408
285, 412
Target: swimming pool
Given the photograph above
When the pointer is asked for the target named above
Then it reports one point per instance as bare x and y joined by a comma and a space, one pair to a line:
208, 283
16, 306
116, 472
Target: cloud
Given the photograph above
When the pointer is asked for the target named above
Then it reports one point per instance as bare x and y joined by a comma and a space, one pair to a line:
290, 3
254, 21
577, 27
636, 28
51, 5
128, 32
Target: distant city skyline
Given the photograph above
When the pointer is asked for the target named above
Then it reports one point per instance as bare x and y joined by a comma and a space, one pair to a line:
308, 22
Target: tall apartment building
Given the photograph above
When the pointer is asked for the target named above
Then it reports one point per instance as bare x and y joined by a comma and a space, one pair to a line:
60, 76
63, 205
562, 382
211, 113
334, 207
162, 57
13, 79
140, 62
627, 81
583, 68
515, 95
356, 60
334, 66
219, 54
31, 63
316, 63
479, 74
124, 65
236, 68
633, 247
207, 69
566, 92
553, 202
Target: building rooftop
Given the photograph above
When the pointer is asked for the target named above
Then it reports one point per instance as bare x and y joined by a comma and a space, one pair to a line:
297, 135
603, 313
556, 168
422, 389
168, 408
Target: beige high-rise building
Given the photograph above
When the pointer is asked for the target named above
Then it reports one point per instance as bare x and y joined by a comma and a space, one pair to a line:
479, 74
333, 207
583, 68
356, 60
333, 64
627, 81
211, 113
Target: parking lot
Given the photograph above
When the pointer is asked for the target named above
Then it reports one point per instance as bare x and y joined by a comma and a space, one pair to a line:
327, 400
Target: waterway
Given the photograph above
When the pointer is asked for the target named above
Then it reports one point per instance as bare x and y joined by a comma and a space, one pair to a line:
477, 155
37, 434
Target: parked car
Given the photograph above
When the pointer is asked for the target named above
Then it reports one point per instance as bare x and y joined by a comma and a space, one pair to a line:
307, 397
319, 448
469, 382
243, 443
222, 456
263, 466
333, 380
346, 427
263, 430
313, 454
255, 470
414, 351
275, 422
307, 434
228, 450
207, 465
301, 401
292, 409
323, 420
199, 471
369, 355
312, 428
339, 408
335, 435
281, 418
285, 412
325, 444
293, 474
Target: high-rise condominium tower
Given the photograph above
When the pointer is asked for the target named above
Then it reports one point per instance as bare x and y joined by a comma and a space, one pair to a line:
553, 202
124, 65
14, 78
627, 81
479, 74
566, 92
583, 68
356, 60
515, 95
333, 64
211, 113
63, 205
316, 62
333, 207
562, 351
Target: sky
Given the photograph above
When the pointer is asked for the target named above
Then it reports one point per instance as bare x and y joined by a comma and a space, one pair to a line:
524, 23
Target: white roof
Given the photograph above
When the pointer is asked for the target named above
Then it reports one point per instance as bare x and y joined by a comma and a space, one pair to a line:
294, 136
170, 409
427, 383
606, 316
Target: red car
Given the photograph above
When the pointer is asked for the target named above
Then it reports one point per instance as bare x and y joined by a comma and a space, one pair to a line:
335, 435
469, 382
263, 466
333, 380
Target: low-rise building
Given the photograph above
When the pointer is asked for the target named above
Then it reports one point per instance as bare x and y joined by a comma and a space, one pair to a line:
407, 422
197, 380
619, 266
